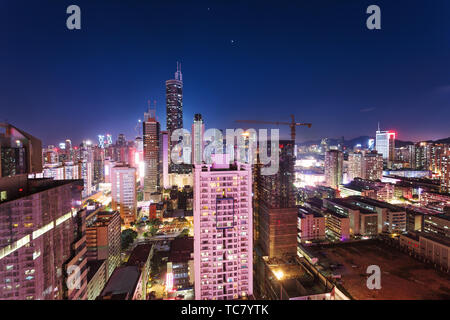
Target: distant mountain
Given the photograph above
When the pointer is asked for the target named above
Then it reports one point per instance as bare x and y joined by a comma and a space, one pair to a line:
446, 140
362, 140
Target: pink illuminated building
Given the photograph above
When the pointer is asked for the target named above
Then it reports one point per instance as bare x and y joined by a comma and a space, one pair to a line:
223, 231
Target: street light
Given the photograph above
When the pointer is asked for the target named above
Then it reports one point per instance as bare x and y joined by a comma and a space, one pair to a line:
279, 275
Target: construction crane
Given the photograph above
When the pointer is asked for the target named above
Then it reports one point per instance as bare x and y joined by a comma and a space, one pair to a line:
291, 124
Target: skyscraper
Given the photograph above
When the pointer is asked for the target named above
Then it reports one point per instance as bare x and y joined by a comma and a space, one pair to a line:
164, 159
174, 113
103, 239
365, 165
334, 160
223, 230
198, 130
277, 212
385, 144
123, 192
151, 132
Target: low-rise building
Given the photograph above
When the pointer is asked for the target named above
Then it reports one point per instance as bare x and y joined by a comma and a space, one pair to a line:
311, 225
124, 284
434, 249
437, 225
337, 225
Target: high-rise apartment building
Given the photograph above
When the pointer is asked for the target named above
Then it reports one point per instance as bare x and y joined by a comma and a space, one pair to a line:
372, 166
223, 230
42, 240
123, 192
334, 162
151, 133
365, 165
385, 144
103, 239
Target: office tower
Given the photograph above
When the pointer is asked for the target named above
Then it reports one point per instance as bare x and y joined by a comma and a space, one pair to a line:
86, 173
121, 141
20, 152
198, 130
42, 239
164, 159
354, 165
99, 165
86, 167
123, 192
174, 114
223, 230
334, 161
371, 144
68, 149
372, 166
103, 239
139, 159
277, 212
385, 144
151, 132
365, 165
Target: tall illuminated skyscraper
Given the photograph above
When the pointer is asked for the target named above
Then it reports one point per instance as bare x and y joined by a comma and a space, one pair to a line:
223, 244
385, 144
334, 162
151, 134
174, 111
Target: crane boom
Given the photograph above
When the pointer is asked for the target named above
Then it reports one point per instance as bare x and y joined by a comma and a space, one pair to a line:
291, 124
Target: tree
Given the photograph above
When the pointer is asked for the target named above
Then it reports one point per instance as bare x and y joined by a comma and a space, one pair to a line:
127, 237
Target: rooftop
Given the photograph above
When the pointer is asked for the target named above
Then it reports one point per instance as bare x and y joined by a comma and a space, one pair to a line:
181, 249
377, 203
140, 255
302, 211
121, 284
20, 186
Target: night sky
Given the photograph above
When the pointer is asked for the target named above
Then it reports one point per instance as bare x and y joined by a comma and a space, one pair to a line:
240, 60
